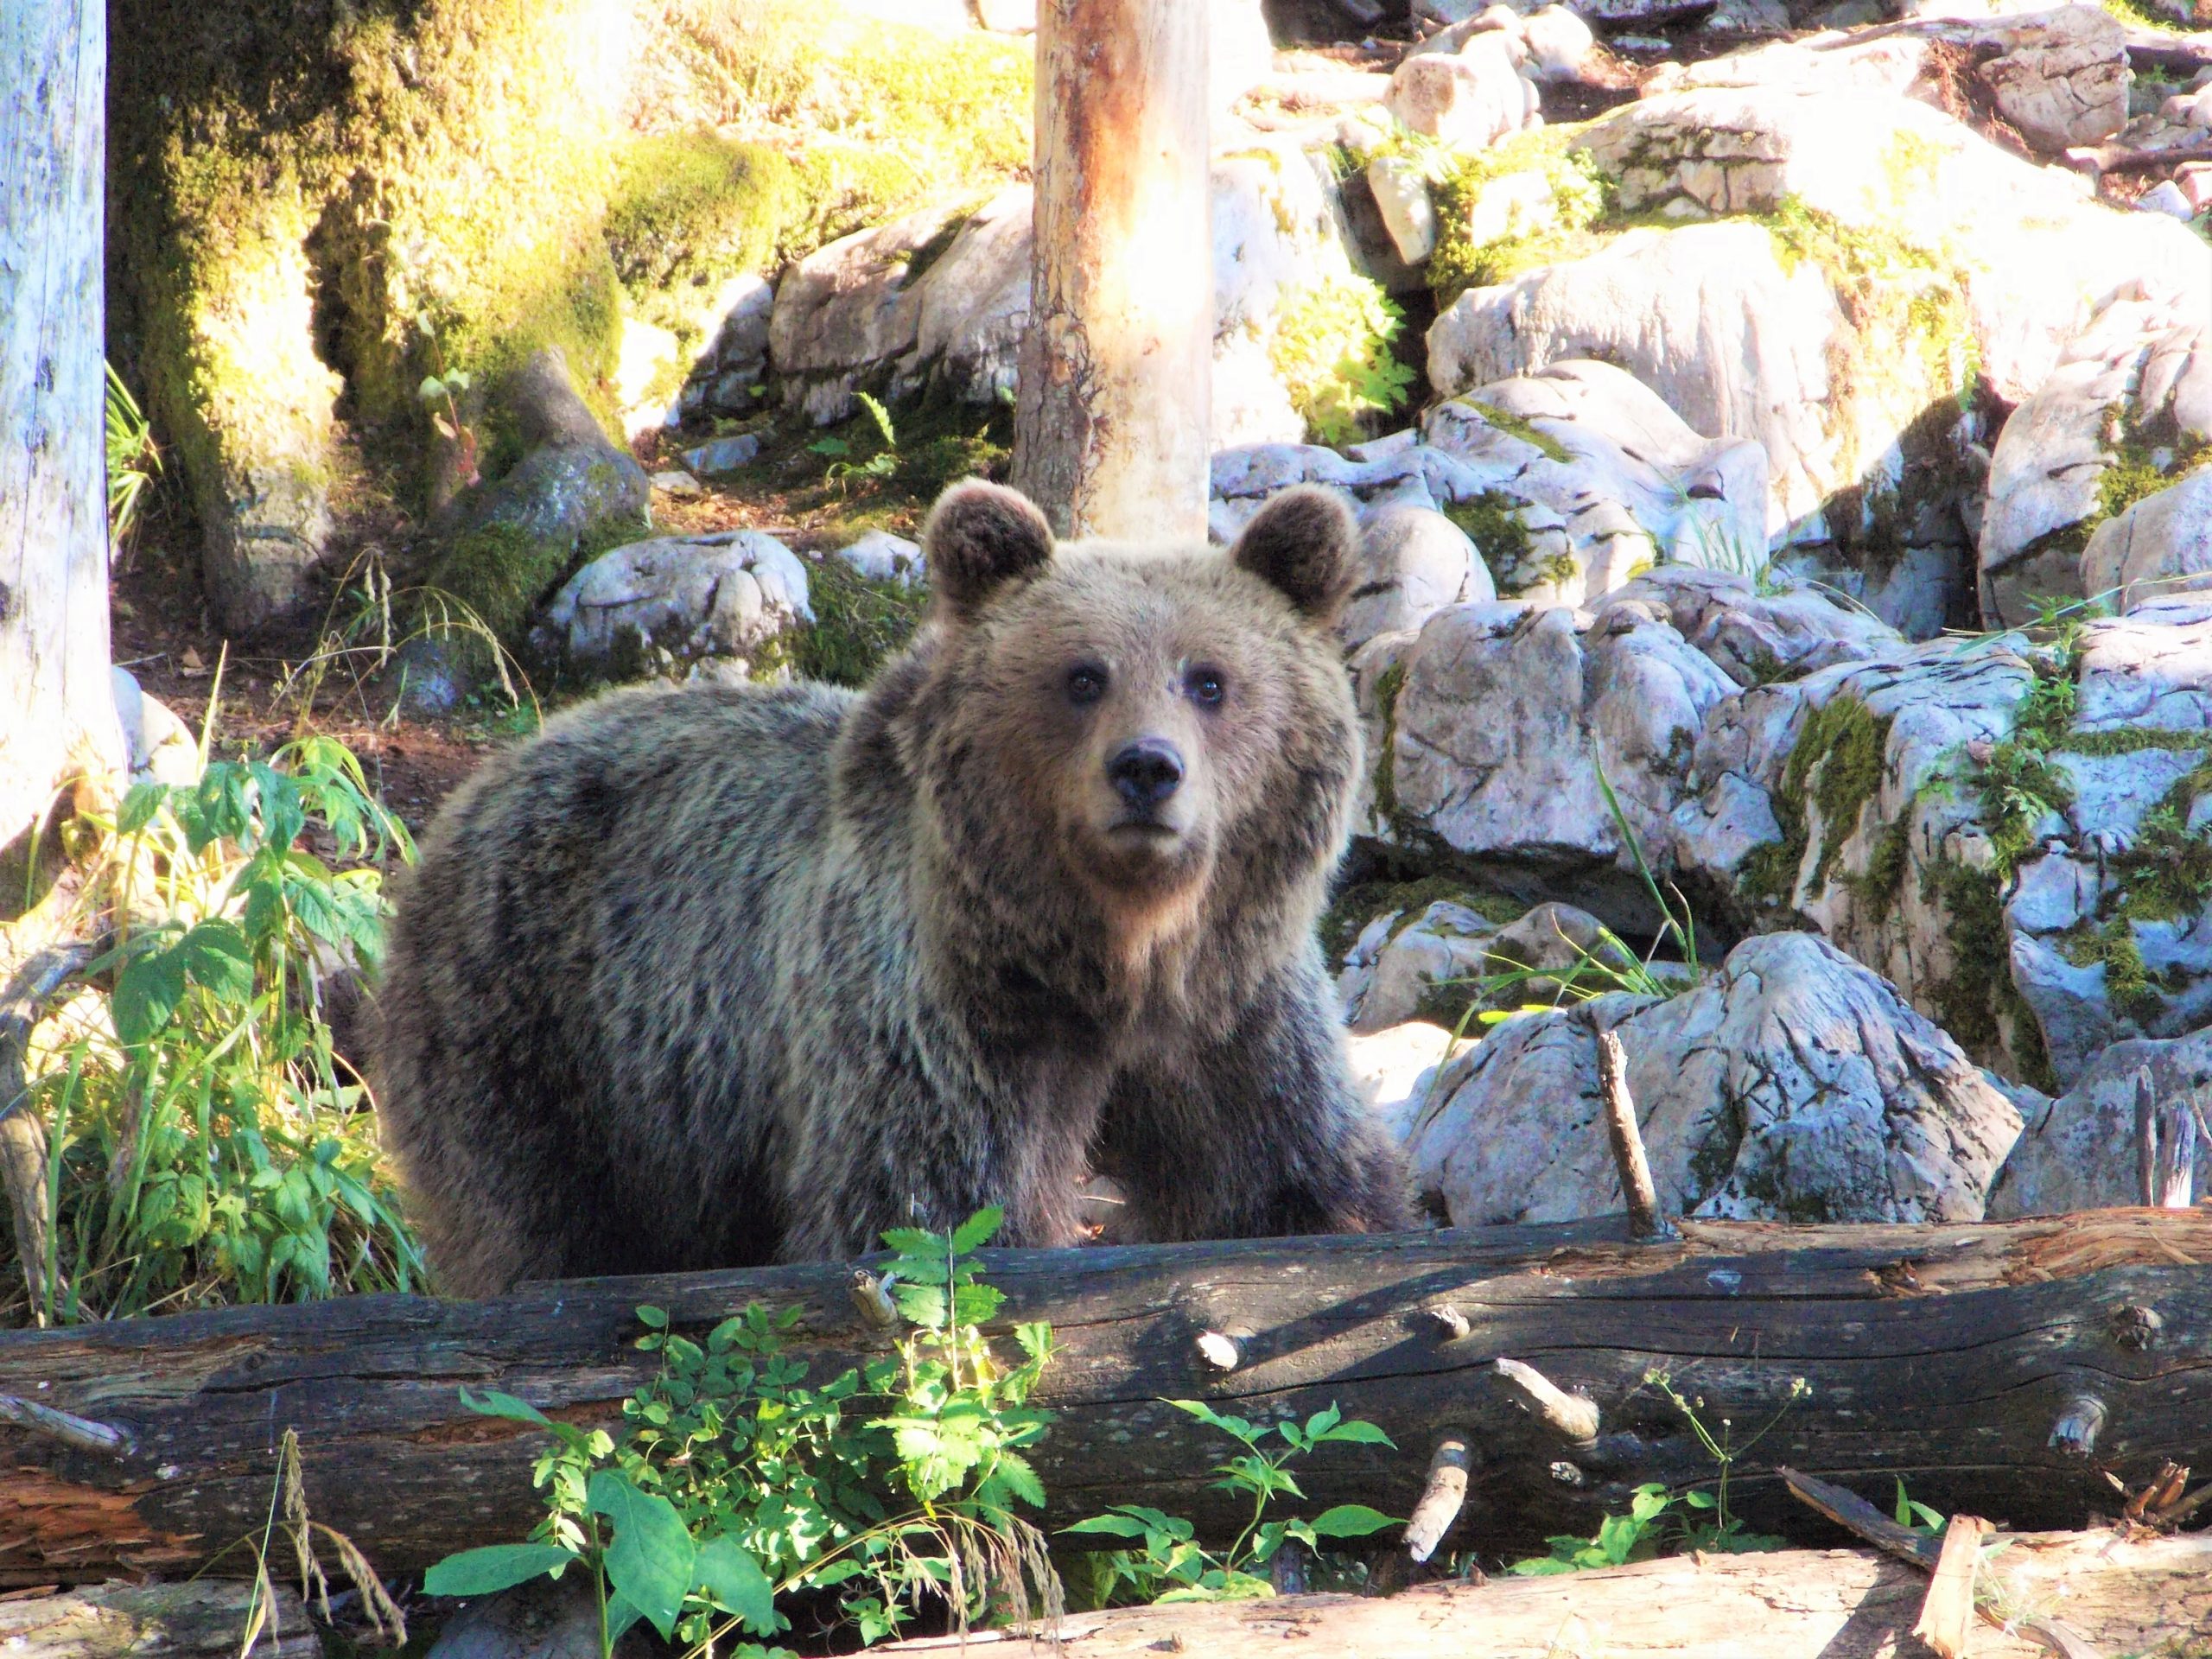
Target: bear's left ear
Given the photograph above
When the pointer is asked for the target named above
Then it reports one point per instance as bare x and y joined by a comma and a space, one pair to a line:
1305, 543
979, 535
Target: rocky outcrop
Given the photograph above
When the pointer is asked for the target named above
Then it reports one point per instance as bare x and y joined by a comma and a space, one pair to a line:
1793, 1085
1861, 218
1413, 563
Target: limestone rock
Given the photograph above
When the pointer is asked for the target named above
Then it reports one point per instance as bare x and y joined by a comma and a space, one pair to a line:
1589, 477
1393, 1069
2078, 1152
1401, 194
1794, 1086
2040, 892
2060, 76
158, 746
1755, 632
705, 596
1503, 714
881, 557
1438, 952
1560, 43
938, 300
1706, 317
1469, 98
2160, 545
2142, 368
1414, 562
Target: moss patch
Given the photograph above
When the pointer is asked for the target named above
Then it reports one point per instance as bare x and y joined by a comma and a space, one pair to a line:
1580, 196
1835, 766
1388, 685
1979, 1001
689, 209
1492, 522
2128, 987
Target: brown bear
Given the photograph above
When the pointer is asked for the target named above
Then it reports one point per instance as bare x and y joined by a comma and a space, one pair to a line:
715, 976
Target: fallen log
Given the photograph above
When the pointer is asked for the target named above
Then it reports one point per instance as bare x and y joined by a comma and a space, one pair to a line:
204, 1619
2015, 1369
2121, 1596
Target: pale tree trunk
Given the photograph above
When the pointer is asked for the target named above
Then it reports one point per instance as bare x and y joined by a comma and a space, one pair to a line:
57, 711
1111, 426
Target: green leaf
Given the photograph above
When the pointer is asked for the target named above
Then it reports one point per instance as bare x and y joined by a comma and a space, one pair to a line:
1116, 1526
216, 956
146, 995
1359, 1433
1350, 1521
495, 1567
974, 1232
734, 1579
912, 1241
492, 1403
651, 1558
139, 807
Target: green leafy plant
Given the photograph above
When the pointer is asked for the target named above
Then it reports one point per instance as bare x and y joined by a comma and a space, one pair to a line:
1332, 347
132, 458
1915, 1516
733, 1482
206, 1142
1613, 966
1693, 1519
884, 463
1169, 1564
440, 395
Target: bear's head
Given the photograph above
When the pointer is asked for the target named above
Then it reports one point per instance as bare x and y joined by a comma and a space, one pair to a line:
1161, 733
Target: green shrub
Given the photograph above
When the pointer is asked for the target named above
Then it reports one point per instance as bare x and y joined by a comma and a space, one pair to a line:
206, 1144
733, 1482
1333, 347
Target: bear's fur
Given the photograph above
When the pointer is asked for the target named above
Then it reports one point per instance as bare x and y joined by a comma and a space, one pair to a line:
711, 977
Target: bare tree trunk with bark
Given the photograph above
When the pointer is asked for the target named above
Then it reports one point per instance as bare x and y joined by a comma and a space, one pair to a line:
57, 712
1110, 430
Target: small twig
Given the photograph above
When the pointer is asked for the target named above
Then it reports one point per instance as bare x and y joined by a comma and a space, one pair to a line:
1571, 1416
79, 1432
1637, 1186
2146, 1139
1441, 1497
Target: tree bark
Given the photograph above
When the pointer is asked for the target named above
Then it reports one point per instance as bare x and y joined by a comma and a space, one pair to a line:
57, 712
2121, 1596
1111, 425
204, 1619
1948, 1356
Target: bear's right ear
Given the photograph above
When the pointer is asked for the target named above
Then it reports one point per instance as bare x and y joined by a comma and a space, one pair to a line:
979, 535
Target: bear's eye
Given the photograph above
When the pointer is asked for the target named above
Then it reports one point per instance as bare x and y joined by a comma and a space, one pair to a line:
1086, 684
1203, 685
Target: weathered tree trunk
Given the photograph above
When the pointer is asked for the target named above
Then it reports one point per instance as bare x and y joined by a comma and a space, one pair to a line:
1950, 1355
2121, 1596
57, 712
204, 1619
1110, 430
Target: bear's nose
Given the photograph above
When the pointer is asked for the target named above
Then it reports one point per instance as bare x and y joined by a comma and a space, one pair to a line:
1147, 773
